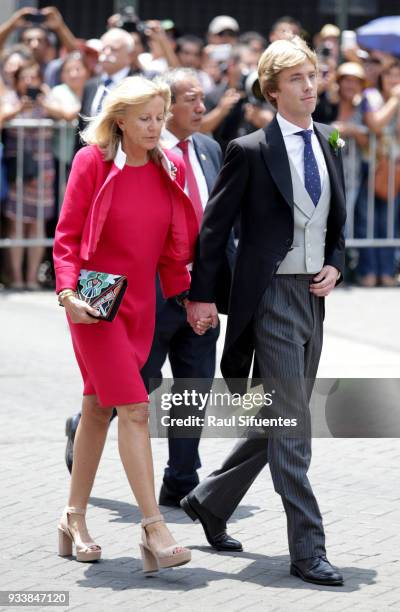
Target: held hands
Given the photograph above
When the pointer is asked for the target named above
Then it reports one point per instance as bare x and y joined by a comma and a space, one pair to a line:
201, 316
324, 281
79, 311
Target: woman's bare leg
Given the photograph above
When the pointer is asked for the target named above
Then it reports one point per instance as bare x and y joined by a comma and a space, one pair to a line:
16, 256
135, 451
35, 253
89, 442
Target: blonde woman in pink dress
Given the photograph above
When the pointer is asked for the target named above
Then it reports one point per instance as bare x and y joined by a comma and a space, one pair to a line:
124, 212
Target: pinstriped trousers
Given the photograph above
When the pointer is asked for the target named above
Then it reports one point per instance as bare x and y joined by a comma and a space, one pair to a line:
288, 341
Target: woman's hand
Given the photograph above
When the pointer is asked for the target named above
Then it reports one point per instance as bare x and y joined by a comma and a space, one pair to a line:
395, 92
346, 129
79, 311
26, 104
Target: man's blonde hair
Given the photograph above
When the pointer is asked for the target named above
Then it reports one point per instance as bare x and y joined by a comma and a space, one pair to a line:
103, 130
281, 54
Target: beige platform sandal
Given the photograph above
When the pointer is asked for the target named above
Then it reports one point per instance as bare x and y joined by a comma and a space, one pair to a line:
85, 551
171, 556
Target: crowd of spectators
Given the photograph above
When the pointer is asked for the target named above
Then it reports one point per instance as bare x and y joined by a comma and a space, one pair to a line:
46, 72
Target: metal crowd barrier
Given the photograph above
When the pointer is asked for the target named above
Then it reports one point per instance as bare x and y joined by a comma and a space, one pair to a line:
22, 126
352, 185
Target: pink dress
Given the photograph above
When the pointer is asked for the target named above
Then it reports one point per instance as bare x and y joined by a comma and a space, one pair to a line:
111, 355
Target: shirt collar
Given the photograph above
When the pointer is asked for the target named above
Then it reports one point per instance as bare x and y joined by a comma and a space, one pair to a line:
169, 140
120, 157
288, 128
117, 76
120, 160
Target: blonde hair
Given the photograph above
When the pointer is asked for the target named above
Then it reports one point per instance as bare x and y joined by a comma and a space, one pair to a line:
281, 54
103, 131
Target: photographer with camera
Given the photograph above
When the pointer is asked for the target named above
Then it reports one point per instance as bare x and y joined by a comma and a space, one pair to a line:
154, 38
38, 27
230, 112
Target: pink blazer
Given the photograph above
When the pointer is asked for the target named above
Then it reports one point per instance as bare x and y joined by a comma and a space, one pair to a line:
87, 200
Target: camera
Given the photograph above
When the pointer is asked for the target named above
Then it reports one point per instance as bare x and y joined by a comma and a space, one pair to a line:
325, 51
36, 18
33, 92
250, 79
128, 20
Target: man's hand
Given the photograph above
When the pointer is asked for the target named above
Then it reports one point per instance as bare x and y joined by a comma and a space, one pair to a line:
324, 281
54, 20
20, 19
228, 100
201, 316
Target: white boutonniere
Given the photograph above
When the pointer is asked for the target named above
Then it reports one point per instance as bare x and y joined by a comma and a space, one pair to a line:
335, 141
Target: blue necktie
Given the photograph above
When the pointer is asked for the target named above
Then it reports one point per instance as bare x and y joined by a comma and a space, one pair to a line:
312, 179
105, 84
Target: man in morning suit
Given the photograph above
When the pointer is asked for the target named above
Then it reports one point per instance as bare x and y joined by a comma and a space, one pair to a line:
286, 182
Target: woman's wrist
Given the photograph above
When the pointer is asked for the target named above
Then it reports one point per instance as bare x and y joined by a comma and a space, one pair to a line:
64, 294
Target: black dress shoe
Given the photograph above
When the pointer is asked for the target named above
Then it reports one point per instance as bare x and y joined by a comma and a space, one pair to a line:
70, 429
214, 527
169, 498
317, 570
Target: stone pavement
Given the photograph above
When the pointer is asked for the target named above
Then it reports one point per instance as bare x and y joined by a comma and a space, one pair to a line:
356, 482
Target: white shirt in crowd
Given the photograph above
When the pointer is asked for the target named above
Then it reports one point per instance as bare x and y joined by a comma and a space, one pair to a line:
170, 141
116, 78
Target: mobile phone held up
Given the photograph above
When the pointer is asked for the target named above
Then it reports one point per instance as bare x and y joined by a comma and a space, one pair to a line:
33, 92
36, 18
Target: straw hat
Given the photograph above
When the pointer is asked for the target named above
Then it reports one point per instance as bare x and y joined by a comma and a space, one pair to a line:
329, 30
351, 69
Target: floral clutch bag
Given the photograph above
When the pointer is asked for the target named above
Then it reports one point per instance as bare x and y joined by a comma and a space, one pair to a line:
102, 291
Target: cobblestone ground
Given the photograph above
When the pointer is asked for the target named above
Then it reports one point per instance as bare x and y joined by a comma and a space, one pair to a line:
356, 482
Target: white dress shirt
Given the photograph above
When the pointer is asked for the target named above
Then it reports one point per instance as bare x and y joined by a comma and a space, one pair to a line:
295, 147
170, 141
116, 78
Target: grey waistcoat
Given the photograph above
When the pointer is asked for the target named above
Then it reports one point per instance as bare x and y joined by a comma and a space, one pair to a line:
308, 249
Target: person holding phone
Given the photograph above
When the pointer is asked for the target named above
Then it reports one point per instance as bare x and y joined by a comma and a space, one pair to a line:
35, 26
35, 202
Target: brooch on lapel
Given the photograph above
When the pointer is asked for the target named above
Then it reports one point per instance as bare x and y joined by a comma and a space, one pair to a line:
336, 142
203, 157
172, 170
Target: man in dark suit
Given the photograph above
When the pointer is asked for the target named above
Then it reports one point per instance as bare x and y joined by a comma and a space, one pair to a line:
190, 356
286, 182
115, 60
